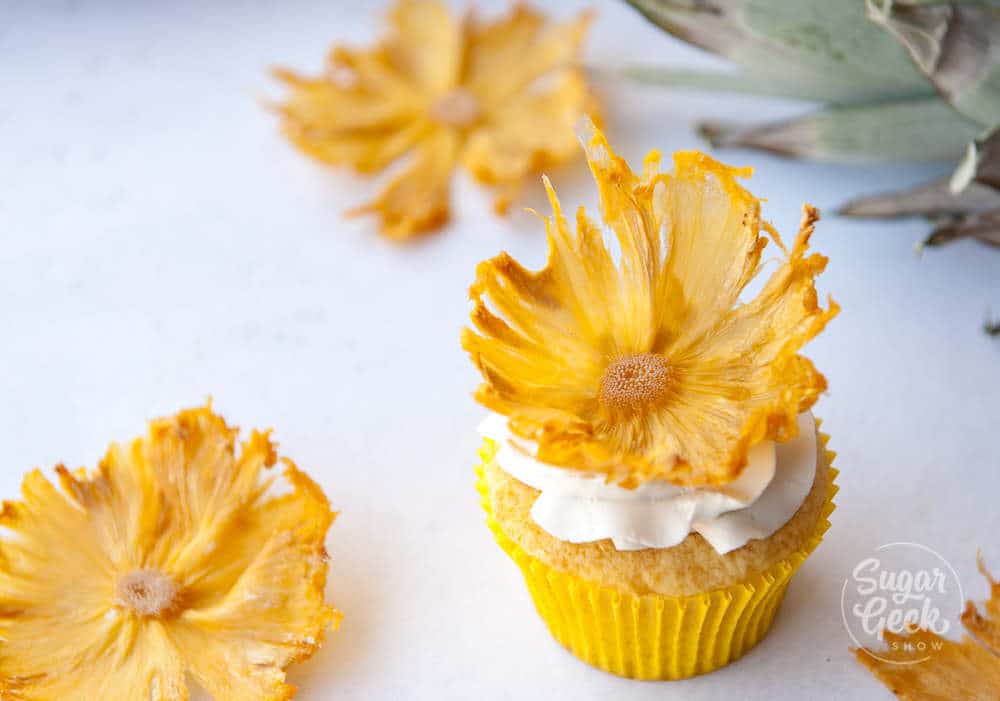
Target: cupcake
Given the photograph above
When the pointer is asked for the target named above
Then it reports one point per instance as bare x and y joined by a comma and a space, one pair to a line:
650, 461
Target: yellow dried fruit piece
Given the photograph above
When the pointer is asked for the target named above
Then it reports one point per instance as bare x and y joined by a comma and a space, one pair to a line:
952, 671
985, 626
923, 666
643, 364
501, 98
174, 558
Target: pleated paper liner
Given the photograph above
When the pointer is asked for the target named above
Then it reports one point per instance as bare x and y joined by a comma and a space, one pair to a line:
652, 636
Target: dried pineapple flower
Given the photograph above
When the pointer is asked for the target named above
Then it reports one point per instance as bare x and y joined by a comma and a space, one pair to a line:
945, 669
643, 365
175, 558
500, 97
952, 670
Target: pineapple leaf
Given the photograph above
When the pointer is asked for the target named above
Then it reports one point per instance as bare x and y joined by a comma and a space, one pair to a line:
934, 199
811, 49
906, 130
980, 165
717, 81
955, 44
984, 226
972, 213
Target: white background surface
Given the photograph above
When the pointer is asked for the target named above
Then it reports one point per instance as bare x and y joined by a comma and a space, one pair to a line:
159, 242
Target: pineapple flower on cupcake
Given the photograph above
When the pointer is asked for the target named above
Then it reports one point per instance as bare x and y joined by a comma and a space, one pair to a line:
648, 367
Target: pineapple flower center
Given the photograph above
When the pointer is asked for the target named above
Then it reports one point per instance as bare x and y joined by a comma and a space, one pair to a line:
635, 382
147, 592
456, 108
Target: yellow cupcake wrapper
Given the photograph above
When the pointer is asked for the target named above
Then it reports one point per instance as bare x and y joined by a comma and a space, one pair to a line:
653, 636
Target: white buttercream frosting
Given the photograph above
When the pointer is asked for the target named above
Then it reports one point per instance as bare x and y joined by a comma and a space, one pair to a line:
580, 507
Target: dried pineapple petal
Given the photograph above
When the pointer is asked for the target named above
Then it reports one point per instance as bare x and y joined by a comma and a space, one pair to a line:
698, 378
426, 44
416, 200
530, 133
172, 558
961, 671
923, 666
985, 627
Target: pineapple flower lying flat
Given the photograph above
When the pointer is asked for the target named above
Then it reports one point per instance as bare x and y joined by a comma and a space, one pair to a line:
648, 366
922, 666
173, 559
501, 98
